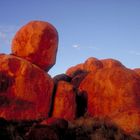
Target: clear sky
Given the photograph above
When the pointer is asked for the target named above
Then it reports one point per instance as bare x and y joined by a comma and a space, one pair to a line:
98, 28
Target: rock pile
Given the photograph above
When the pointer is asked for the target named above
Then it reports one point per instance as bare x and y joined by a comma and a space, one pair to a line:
103, 89
112, 91
26, 90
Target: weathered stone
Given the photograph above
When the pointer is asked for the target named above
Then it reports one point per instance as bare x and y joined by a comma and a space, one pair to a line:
64, 101
78, 77
111, 63
111, 92
25, 89
37, 42
73, 69
137, 70
92, 64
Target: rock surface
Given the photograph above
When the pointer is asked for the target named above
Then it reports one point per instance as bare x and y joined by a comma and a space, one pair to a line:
25, 89
61, 77
103, 89
37, 42
111, 92
137, 70
73, 69
64, 101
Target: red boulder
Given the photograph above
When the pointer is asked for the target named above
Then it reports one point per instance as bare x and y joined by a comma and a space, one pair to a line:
37, 42
25, 89
64, 101
112, 91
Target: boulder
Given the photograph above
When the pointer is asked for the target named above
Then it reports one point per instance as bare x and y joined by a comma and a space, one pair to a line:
36, 42
65, 101
112, 91
78, 76
25, 89
93, 64
61, 77
128, 120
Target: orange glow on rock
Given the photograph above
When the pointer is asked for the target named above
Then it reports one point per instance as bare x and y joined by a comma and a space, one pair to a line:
64, 101
137, 70
113, 91
37, 42
25, 89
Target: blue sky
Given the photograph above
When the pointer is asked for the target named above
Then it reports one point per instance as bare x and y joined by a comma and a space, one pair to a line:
98, 28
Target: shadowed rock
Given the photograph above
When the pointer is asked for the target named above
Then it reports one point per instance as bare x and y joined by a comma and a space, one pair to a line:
73, 69
61, 77
81, 100
111, 63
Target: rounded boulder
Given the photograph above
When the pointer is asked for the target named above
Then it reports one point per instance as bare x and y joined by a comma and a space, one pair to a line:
25, 89
37, 42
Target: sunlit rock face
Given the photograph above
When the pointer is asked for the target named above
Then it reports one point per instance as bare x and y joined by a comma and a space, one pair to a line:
37, 42
93, 64
137, 70
111, 63
25, 89
73, 69
64, 101
113, 91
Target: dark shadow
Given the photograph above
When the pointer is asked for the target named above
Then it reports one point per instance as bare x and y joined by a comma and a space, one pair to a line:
81, 100
56, 79
5, 82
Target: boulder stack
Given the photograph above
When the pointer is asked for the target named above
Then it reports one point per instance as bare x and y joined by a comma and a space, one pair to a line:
113, 91
103, 89
26, 90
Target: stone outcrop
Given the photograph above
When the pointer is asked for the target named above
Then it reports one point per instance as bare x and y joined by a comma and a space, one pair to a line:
93, 64
37, 42
64, 101
73, 69
25, 89
112, 91
103, 89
